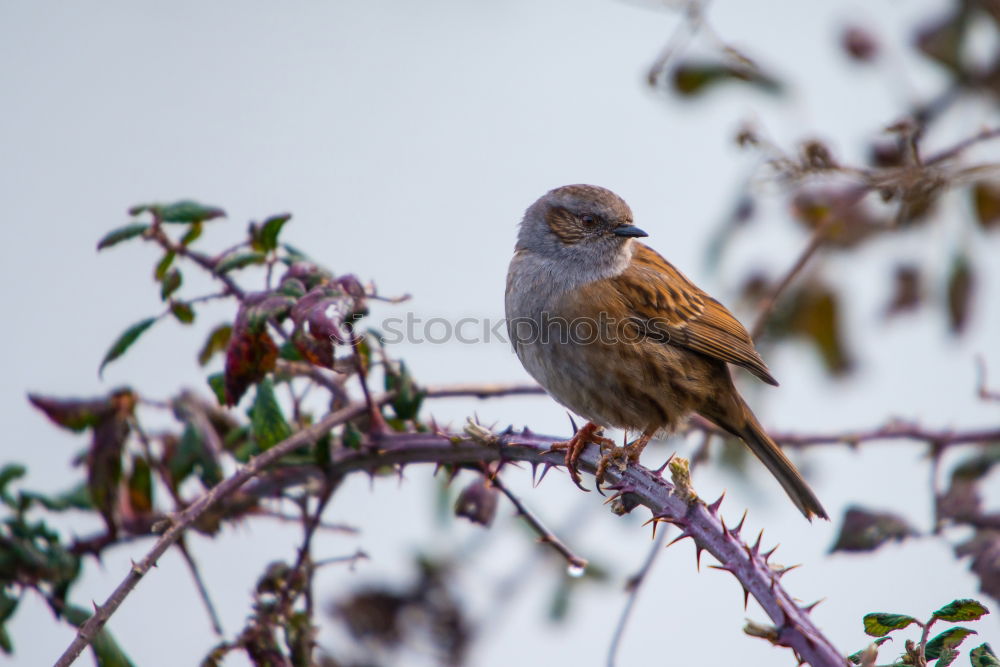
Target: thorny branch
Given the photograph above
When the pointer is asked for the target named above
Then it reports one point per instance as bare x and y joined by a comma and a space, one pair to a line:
637, 485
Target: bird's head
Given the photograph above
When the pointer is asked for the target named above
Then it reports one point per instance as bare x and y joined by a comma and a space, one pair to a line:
580, 223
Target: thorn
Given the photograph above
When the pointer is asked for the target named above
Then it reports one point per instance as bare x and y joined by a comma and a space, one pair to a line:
725, 531
714, 507
755, 549
679, 538
508, 431
746, 598
526, 432
785, 570
697, 556
659, 471
770, 553
809, 607
572, 423
534, 471
437, 467
616, 496
96, 606
739, 527
545, 470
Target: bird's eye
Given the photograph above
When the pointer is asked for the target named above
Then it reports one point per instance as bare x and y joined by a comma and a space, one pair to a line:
588, 220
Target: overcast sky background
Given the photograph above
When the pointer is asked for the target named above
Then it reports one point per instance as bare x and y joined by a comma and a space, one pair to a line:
407, 139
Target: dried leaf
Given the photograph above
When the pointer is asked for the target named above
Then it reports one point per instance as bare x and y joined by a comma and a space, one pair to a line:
907, 291
986, 201
477, 502
693, 78
865, 530
961, 284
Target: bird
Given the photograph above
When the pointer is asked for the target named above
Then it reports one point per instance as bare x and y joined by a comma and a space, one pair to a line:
616, 334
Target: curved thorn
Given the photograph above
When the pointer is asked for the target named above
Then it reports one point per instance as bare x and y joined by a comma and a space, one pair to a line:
659, 471
739, 527
768, 554
714, 507
679, 538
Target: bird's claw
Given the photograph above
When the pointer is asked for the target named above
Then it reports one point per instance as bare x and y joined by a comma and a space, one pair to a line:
589, 433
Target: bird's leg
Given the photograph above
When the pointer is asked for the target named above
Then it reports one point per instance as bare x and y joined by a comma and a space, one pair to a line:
574, 447
620, 457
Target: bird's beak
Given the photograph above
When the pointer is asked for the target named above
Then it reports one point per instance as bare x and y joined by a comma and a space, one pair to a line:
628, 231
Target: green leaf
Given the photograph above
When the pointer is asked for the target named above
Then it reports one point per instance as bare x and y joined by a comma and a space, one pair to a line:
192, 234
962, 610
881, 624
856, 656
267, 422
184, 211
948, 656
160, 272
266, 238
983, 656
171, 282
76, 498
239, 260
125, 341
182, 312
217, 381
216, 342
947, 640
8, 474
116, 236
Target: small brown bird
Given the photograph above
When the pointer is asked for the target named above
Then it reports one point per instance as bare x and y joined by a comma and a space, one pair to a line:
619, 336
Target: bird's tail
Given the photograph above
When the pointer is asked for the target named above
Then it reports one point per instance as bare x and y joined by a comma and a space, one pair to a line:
770, 454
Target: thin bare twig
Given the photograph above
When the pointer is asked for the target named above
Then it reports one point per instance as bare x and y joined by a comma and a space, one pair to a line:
815, 242
202, 588
981, 387
633, 586
544, 535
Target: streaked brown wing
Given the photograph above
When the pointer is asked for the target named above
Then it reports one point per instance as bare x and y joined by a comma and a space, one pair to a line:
675, 311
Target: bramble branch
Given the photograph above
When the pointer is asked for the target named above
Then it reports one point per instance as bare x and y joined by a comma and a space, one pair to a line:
637, 485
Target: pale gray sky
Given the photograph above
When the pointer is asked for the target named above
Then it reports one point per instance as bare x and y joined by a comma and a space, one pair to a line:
407, 139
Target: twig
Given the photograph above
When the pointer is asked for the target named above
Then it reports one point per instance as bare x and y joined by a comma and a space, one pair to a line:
955, 150
189, 515
694, 16
891, 431
204, 261
544, 535
984, 392
634, 586
481, 390
815, 241
332, 527
202, 589
334, 560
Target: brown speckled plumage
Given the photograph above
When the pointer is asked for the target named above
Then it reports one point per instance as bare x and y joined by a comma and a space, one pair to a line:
577, 260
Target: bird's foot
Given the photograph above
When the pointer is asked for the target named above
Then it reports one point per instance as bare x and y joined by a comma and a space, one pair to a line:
620, 457
590, 433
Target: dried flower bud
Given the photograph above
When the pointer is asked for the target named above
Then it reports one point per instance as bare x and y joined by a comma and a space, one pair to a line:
477, 502
859, 44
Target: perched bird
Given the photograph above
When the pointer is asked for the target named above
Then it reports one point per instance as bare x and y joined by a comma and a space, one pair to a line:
616, 334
